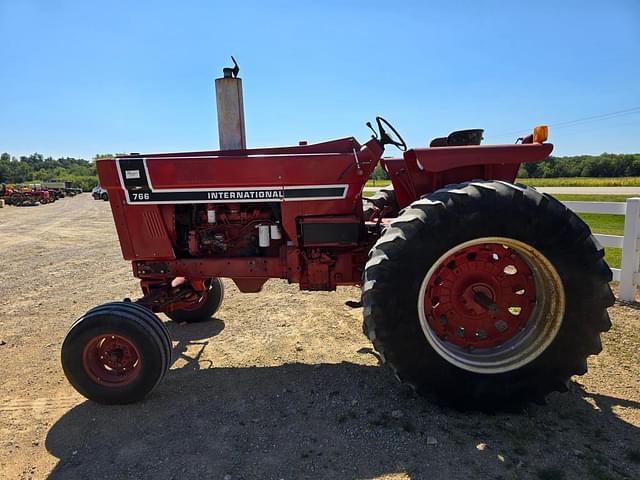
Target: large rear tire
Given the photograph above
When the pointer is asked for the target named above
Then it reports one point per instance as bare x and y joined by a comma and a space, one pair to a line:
487, 295
116, 353
17, 199
209, 304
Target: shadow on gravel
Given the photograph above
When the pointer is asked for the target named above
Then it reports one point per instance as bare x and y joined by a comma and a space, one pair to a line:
334, 421
189, 335
633, 305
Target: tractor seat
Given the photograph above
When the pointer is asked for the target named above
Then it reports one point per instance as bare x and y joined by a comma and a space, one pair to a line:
459, 138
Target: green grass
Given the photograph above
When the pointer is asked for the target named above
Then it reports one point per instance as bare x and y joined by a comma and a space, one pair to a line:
602, 223
581, 182
377, 183
613, 257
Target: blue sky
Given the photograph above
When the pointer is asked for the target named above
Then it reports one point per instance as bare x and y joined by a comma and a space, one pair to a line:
82, 77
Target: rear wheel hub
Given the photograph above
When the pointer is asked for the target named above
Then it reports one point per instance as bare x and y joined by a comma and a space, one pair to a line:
491, 304
478, 290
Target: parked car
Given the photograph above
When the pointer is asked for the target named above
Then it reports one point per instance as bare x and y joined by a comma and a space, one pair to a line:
99, 193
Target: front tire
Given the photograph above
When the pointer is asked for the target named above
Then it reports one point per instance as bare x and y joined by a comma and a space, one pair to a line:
116, 353
487, 294
203, 310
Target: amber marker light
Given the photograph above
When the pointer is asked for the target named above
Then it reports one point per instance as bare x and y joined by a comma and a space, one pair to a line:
540, 133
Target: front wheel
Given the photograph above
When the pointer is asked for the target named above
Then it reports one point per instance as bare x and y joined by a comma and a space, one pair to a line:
116, 353
487, 294
208, 304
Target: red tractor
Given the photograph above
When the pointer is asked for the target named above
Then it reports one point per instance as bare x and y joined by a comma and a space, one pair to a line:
475, 290
7, 194
18, 196
39, 194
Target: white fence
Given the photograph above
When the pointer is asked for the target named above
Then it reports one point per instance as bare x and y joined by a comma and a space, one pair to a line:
628, 275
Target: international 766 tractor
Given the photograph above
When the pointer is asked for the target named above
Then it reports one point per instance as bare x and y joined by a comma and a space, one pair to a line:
475, 290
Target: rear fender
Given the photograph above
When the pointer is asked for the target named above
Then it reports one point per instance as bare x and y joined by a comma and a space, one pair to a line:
424, 170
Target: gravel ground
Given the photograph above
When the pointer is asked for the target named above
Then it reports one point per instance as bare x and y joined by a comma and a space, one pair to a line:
281, 384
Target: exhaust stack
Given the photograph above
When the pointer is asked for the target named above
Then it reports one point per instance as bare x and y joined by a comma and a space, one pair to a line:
231, 131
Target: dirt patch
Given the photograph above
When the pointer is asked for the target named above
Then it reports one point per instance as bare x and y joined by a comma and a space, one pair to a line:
282, 384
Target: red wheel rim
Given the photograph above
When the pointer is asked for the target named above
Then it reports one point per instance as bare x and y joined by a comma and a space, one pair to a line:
111, 360
480, 296
196, 299
196, 305
491, 304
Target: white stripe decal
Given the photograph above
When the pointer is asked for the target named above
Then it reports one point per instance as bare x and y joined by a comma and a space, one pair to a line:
152, 196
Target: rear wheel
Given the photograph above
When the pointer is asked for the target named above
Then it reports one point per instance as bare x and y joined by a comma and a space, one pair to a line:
487, 294
116, 353
17, 199
209, 303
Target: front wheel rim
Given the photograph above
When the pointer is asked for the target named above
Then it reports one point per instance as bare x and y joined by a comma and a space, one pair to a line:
111, 360
491, 305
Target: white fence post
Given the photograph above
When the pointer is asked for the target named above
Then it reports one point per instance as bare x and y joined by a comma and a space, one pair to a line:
629, 276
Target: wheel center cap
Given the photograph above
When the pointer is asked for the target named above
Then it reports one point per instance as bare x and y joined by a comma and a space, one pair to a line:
479, 298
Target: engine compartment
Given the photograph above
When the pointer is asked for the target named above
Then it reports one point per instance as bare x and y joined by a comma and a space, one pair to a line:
228, 230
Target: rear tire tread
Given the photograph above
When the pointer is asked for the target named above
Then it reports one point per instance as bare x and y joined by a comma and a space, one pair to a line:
392, 327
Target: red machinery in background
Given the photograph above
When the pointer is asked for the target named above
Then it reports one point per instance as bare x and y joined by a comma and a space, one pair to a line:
25, 196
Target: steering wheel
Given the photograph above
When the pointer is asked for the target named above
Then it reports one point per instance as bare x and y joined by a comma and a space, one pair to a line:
390, 136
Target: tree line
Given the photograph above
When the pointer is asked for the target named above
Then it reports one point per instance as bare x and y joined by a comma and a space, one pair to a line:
603, 165
36, 168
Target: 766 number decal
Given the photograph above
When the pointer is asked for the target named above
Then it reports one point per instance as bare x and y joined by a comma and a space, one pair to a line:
140, 196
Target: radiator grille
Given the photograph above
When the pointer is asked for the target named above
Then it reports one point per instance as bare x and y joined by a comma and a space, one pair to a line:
153, 222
